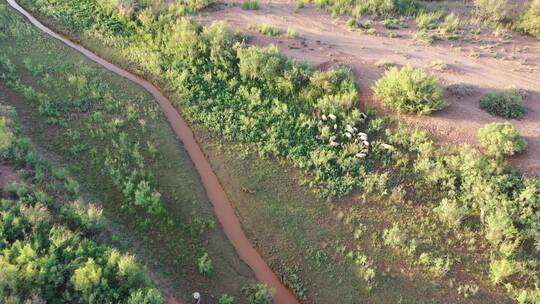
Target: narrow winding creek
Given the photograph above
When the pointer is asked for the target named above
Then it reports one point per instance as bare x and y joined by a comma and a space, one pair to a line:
216, 195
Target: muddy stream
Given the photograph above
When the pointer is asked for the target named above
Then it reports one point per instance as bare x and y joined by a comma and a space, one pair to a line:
216, 195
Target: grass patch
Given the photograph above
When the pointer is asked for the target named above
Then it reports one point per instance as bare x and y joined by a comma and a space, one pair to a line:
250, 5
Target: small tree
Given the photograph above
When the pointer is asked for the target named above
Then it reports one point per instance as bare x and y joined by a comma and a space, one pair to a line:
410, 90
501, 138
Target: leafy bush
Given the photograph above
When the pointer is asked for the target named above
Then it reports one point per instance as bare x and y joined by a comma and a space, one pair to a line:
450, 24
529, 21
268, 30
250, 5
500, 270
258, 294
507, 104
391, 24
409, 90
204, 264
226, 299
291, 34
501, 139
357, 8
491, 11
425, 37
451, 212
429, 20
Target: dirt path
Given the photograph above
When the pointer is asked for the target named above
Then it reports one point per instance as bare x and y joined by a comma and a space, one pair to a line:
216, 195
489, 63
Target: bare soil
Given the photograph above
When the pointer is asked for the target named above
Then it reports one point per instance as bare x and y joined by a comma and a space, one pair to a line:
7, 175
484, 60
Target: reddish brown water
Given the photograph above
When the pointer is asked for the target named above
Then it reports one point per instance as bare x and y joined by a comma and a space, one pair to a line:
217, 196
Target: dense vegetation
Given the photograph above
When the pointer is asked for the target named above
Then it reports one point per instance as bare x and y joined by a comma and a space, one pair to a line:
358, 8
529, 22
47, 251
409, 90
114, 140
501, 138
505, 103
286, 110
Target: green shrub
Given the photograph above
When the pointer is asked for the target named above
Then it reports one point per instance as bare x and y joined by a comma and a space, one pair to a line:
450, 24
268, 30
391, 24
451, 213
250, 5
5, 136
352, 23
298, 5
491, 11
529, 22
500, 270
258, 294
501, 138
204, 264
507, 104
425, 37
429, 20
226, 299
291, 34
409, 90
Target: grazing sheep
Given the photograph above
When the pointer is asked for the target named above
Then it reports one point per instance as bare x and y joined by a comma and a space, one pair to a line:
349, 136
332, 138
360, 155
335, 126
334, 144
332, 116
361, 134
366, 143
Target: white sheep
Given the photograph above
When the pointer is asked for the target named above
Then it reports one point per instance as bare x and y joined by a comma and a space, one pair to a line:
334, 144
360, 155
332, 116
349, 136
361, 134
335, 126
324, 117
332, 138
365, 143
